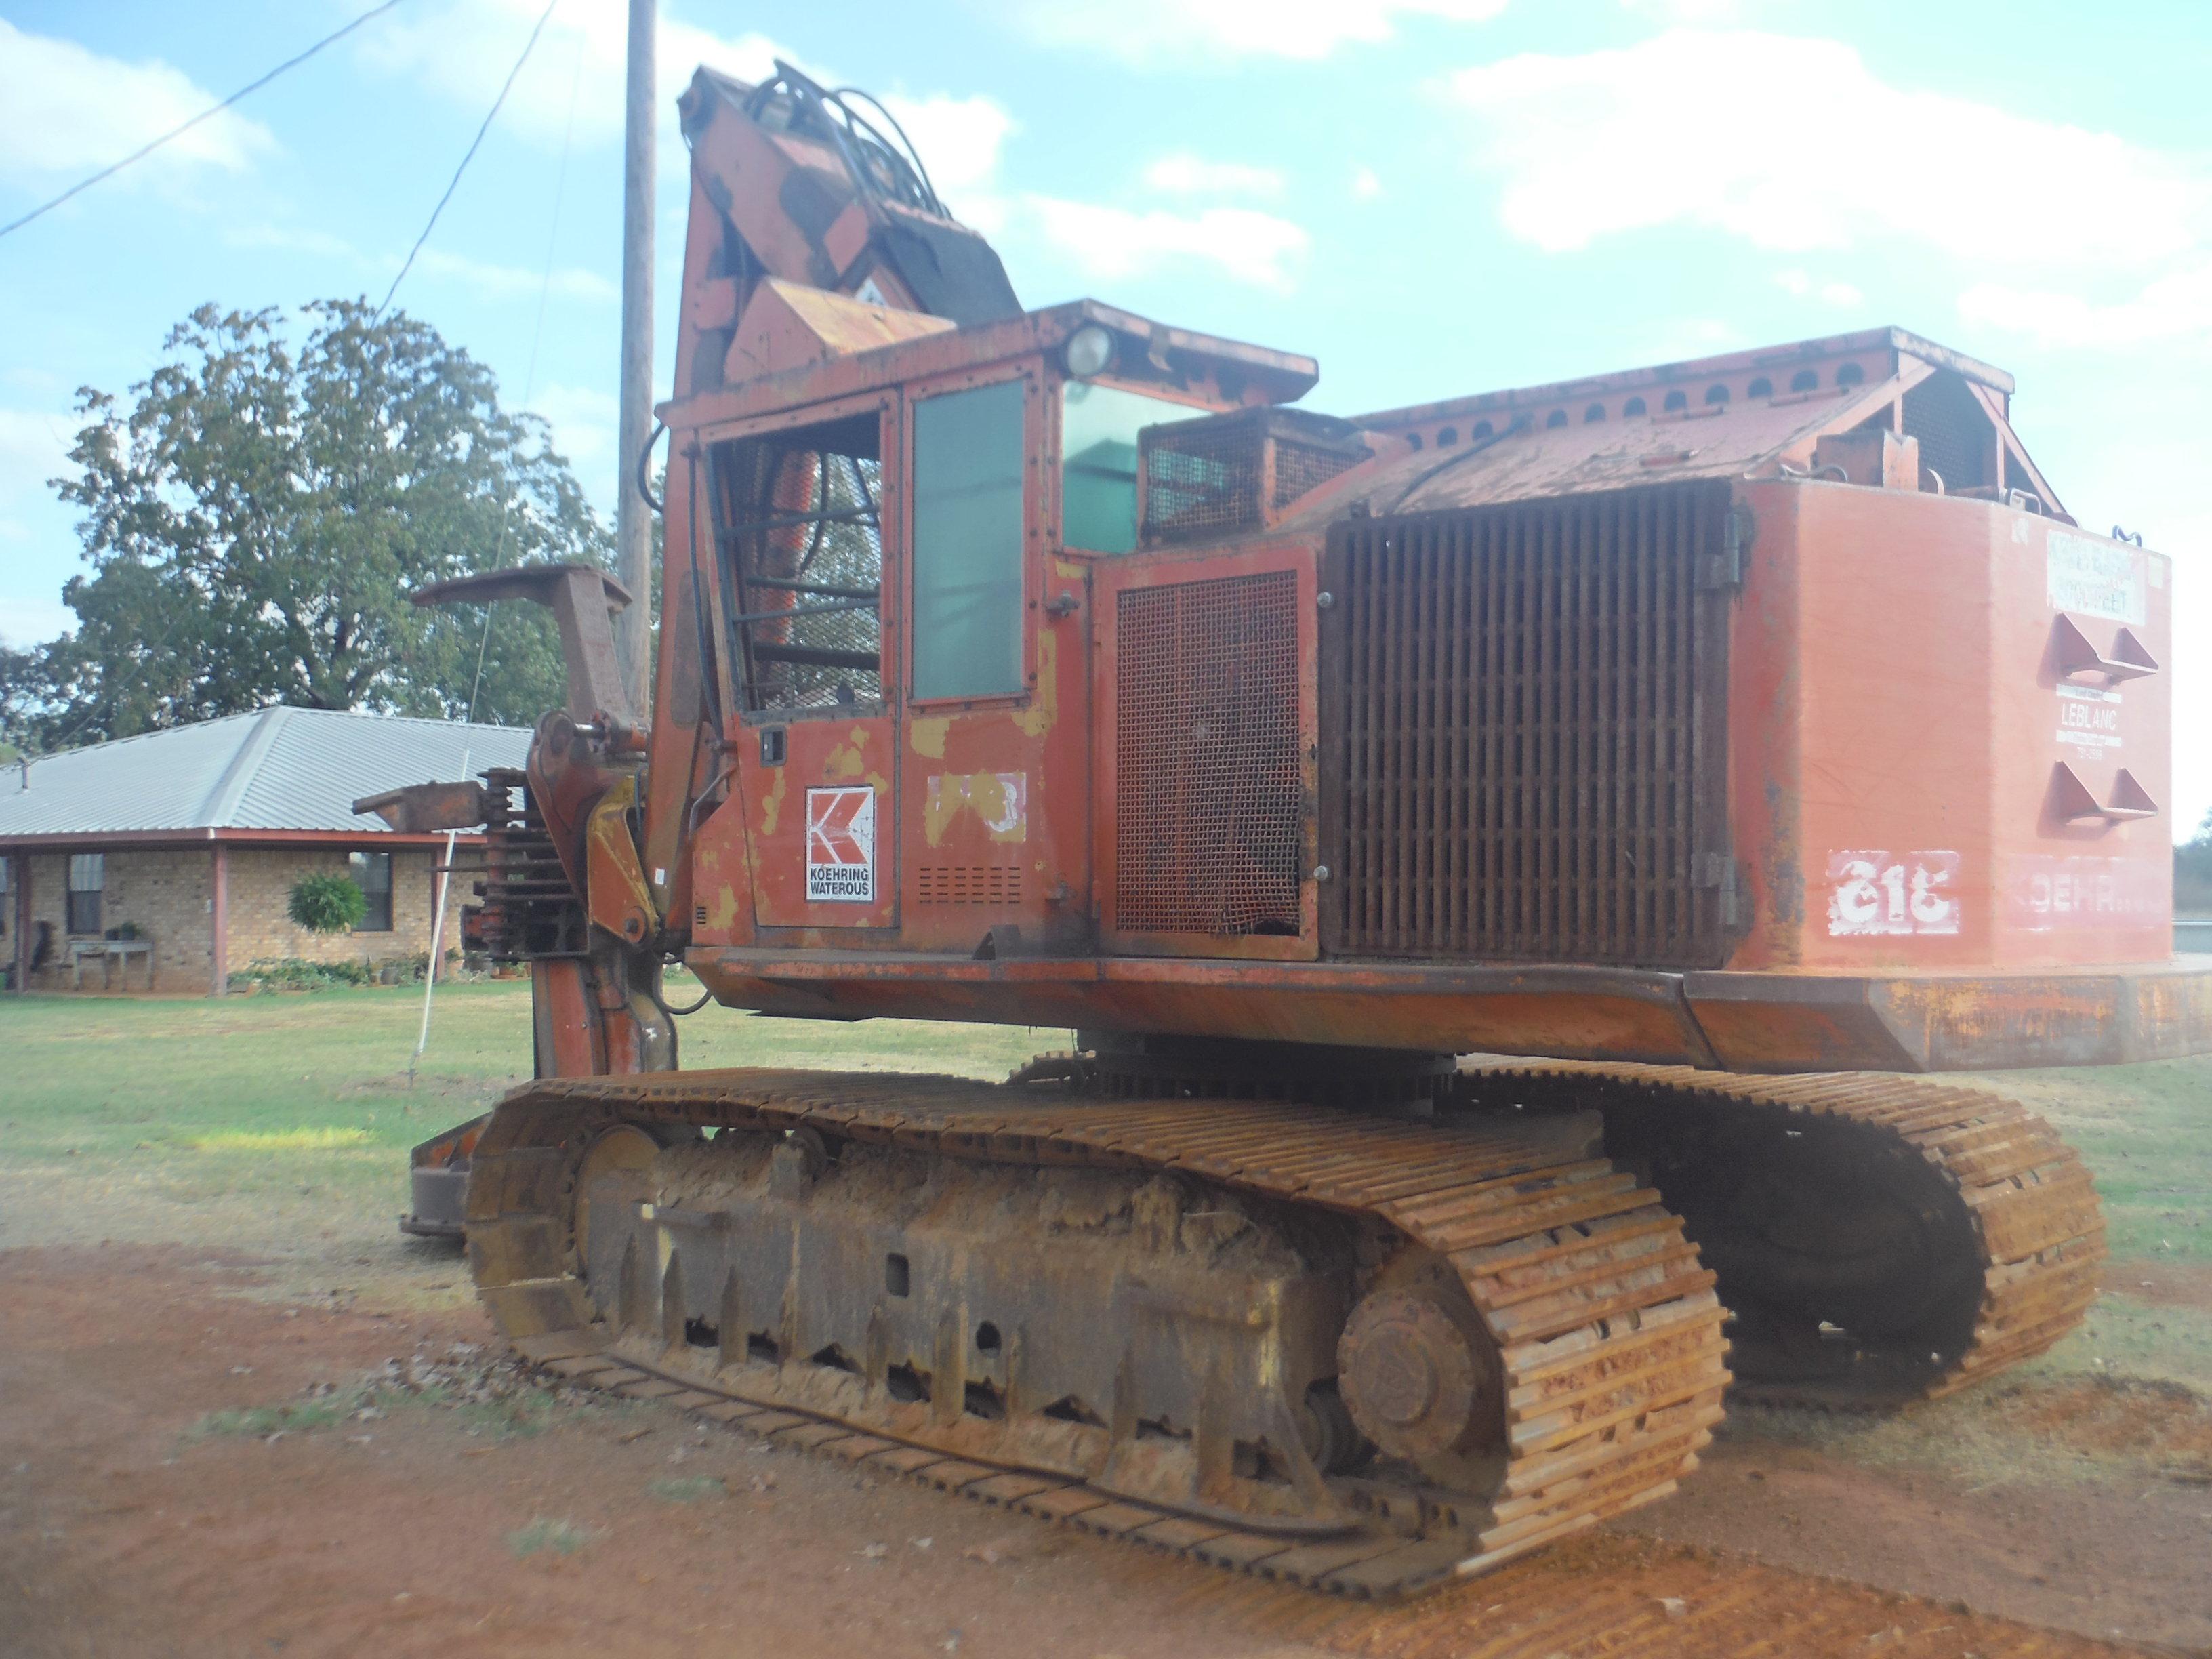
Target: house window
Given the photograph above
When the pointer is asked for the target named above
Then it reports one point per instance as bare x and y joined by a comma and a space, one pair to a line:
88, 880
372, 873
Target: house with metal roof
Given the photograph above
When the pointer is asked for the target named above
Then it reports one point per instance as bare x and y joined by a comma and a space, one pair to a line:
167, 861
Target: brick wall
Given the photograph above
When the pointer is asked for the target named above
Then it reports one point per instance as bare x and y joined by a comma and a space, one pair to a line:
165, 893
168, 894
260, 889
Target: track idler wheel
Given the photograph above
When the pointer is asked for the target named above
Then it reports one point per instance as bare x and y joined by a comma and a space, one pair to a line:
1419, 1375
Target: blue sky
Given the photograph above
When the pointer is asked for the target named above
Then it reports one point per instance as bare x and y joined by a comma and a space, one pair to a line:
1433, 197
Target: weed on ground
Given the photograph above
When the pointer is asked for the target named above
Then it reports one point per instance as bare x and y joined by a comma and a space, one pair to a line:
541, 1535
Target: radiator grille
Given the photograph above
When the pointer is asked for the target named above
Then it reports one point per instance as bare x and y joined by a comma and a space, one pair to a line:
1203, 481
1521, 732
968, 884
1205, 739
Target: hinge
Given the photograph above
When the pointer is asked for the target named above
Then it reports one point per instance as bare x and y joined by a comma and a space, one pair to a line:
1724, 570
1719, 871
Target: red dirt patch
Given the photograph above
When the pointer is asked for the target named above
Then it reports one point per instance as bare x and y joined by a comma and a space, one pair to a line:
121, 1532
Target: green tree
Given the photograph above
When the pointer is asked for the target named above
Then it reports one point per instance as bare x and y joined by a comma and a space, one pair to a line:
2192, 872
254, 523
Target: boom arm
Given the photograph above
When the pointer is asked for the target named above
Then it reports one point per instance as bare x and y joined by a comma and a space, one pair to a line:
794, 181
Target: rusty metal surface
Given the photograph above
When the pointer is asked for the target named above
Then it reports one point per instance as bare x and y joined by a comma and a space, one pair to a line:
1606, 1327
2023, 1216
422, 807
583, 598
1522, 739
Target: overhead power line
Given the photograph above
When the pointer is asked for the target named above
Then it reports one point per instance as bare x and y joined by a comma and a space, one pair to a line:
141, 153
489, 116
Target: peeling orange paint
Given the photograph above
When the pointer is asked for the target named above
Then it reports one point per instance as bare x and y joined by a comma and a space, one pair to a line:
722, 908
845, 763
1000, 799
1043, 711
926, 733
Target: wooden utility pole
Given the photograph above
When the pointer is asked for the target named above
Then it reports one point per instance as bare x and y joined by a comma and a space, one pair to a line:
633, 532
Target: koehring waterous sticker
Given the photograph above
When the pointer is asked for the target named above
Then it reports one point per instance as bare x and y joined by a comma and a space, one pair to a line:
840, 845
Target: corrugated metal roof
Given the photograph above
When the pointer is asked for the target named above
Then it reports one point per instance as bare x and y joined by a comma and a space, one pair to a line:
277, 768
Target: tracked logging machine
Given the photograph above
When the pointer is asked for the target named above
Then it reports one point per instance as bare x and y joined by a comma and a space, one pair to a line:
1732, 739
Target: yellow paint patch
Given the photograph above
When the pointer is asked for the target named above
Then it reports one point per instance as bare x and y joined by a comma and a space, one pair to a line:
1043, 711
845, 762
1000, 799
927, 735
1068, 569
722, 909
772, 803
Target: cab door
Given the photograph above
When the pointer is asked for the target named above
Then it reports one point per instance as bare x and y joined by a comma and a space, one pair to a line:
806, 507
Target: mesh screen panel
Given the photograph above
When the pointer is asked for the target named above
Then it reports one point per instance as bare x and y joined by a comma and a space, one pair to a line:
1523, 732
1205, 738
1202, 483
1301, 467
1954, 433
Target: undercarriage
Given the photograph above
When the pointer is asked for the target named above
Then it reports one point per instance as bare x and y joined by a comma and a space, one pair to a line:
1364, 1347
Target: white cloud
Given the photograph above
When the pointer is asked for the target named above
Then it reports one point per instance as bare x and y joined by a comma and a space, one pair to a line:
1661, 133
958, 138
1185, 174
1698, 11
2174, 308
1797, 284
463, 49
586, 421
1366, 184
500, 282
66, 109
1112, 243
29, 622
1202, 32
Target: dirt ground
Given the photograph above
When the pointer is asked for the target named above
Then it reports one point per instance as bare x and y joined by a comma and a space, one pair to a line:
241, 1415
171, 1481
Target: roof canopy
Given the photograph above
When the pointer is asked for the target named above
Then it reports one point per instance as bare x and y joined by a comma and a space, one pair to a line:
275, 769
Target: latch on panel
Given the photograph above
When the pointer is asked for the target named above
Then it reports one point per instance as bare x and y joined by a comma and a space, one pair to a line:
1724, 570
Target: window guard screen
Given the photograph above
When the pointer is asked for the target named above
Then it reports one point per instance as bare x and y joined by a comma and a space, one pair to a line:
968, 465
798, 529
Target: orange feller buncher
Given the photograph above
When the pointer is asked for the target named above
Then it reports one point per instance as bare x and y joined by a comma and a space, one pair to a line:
1735, 741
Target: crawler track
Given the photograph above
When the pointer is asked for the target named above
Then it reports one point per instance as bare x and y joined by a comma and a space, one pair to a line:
2016, 1234
1606, 1323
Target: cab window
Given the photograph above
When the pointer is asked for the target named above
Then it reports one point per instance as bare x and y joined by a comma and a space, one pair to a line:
1099, 428
799, 532
967, 457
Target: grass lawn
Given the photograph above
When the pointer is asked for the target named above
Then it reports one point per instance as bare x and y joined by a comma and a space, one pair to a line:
279, 1125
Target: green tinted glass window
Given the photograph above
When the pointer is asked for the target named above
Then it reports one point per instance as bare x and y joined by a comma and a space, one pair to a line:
967, 543
1099, 428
